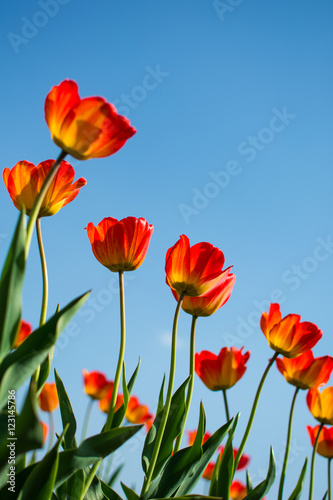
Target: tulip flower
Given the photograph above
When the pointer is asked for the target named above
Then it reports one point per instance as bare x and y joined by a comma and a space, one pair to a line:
48, 398
214, 299
321, 405
137, 413
244, 459
208, 472
104, 404
238, 490
193, 270
84, 128
288, 336
305, 371
23, 333
45, 428
24, 182
120, 245
96, 384
192, 435
325, 441
223, 371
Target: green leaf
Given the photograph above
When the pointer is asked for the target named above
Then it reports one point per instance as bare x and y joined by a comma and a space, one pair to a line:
130, 494
20, 364
160, 403
40, 482
193, 497
67, 414
296, 494
172, 429
226, 465
326, 495
259, 491
11, 283
75, 484
108, 492
249, 486
114, 475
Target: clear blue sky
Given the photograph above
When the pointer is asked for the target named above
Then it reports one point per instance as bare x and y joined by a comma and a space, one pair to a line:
233, 107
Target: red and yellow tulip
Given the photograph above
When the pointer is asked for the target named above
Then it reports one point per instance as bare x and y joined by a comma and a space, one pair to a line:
48, 397
305, 371
23, 333
96, 384
320, 404
325, 441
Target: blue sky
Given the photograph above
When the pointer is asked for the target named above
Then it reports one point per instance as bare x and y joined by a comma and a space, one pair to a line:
233, 106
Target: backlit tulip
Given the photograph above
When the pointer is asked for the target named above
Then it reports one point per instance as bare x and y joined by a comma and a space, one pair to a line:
288, 336
84, 128
120, 245
96, 384
223, 371
48, 398
208, 472
137, 413
244, 459
305, 371
24, 182
23, 333
325, 441
193, 270
238, 490
321, 405
210, 302
104, 404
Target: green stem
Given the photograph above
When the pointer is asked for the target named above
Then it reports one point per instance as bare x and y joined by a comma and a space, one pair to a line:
226, 404
167, 405
113, 401
286, 453
51, 431
44, 273
191, 382
39, 200
86, 418
329, 480
313, 461
253, 411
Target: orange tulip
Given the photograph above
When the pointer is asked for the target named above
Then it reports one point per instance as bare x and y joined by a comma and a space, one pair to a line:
208, 472
45, 428
243, 461
210, 302
288, 336
23, 333
24, 182
137, 413
84, 128
193, 270
96, 384
48, 398
223, 371
120, 245
325, 441
321, 405
104, 404
305, 371
238, 490
192, 435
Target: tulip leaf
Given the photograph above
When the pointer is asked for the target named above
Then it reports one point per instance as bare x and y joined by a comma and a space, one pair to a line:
326, 495
296, 494
249, 486
40, 482
193, 497
11, 283
108, 492
75, 484
259, 491
114, 475
20, 364
130, 494
171, 431
160, 403
67, 414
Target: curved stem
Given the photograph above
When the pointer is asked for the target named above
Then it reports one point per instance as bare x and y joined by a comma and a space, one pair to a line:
167, 405
51, 431
191, 382
253, 411
44, 273
35, 209
121, 353
86, 418
113, 401
226, 404
286, 453
313, 461
329, 480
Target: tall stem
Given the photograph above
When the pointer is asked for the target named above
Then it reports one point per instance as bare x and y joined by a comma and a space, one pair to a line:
44, 273
191, 383
86, 418
253, 411
167, 405
286, 453
329, 479
226, 404
35, 209
313, 461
